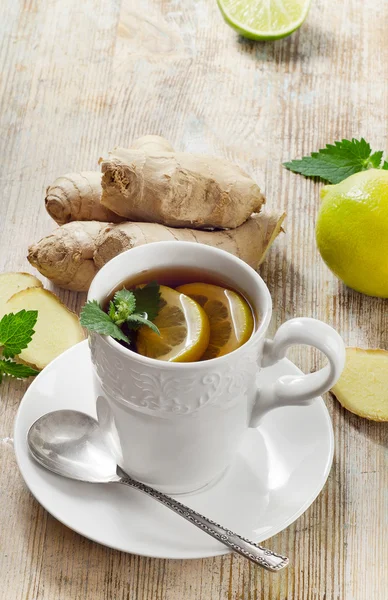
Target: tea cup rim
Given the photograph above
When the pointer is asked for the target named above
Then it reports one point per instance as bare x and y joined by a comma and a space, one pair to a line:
265, 314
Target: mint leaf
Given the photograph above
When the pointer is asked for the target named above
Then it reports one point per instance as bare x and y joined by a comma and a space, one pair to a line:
16, 331
19, 371
136, 320
95, 319
121, 312
112, 310
337, 162
375, 160
124, 303
125, 297
148, 299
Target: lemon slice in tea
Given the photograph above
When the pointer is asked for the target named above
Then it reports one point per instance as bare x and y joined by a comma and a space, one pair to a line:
264, 19
230, 317
184, 330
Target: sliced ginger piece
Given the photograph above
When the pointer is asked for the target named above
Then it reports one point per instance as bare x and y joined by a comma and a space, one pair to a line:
11, 283
363, 385
56, 329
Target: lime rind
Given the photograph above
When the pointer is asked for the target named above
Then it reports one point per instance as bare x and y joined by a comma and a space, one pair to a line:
244, 16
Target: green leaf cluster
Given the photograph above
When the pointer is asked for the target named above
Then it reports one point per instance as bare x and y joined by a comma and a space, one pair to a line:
129, 308
338, 161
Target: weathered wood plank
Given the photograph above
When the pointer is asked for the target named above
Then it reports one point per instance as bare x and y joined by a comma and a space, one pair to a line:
77, 79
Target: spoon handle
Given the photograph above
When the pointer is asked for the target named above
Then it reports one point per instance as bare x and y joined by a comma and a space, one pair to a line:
258, 554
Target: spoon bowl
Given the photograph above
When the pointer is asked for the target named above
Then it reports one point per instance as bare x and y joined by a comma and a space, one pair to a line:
71, 444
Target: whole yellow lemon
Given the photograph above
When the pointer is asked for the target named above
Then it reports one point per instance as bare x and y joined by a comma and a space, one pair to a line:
352, 231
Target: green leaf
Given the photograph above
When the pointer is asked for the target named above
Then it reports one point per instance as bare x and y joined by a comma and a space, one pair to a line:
112, 310
13, 369
385, 165
148, 299
16, 331
337, 162
124, 303
127, 298
375, 160
141, 319
95, 319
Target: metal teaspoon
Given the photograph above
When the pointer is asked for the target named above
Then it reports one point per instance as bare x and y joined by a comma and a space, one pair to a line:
71, 444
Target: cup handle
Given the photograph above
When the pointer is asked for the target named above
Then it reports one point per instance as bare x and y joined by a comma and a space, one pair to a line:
299, 389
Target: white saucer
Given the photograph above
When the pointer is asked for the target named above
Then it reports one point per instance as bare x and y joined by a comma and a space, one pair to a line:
279, 471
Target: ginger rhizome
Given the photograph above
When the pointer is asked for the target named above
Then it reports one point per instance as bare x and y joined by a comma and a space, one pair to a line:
73, 253
66, 255
150, 193
77, 196
178, 189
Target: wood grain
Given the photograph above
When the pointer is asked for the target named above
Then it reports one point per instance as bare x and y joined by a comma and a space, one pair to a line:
79, 78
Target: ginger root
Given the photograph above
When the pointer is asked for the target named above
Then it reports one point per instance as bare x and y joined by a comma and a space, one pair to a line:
66, 256
250, 241
73, 253
363, 385
178, 189
11, 283
77, 196
56, 329
177, 196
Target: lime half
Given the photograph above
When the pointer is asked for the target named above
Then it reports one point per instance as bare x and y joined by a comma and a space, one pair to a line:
264, 19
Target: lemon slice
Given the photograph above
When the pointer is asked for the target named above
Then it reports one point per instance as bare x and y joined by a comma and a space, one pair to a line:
264, 19
184, 330
230, 317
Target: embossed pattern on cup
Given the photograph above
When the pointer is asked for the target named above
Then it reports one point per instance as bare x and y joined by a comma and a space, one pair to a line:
153, 389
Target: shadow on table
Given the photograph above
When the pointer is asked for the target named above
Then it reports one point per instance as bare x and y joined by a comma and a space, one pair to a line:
373, 430
310, 41
369, 315
290, 288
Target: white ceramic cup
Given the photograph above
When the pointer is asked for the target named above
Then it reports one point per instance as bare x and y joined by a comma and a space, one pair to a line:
177, 426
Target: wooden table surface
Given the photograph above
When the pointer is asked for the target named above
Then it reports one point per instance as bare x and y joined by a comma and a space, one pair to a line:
78, 78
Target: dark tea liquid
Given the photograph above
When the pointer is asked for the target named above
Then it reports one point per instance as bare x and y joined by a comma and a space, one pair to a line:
174, 277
